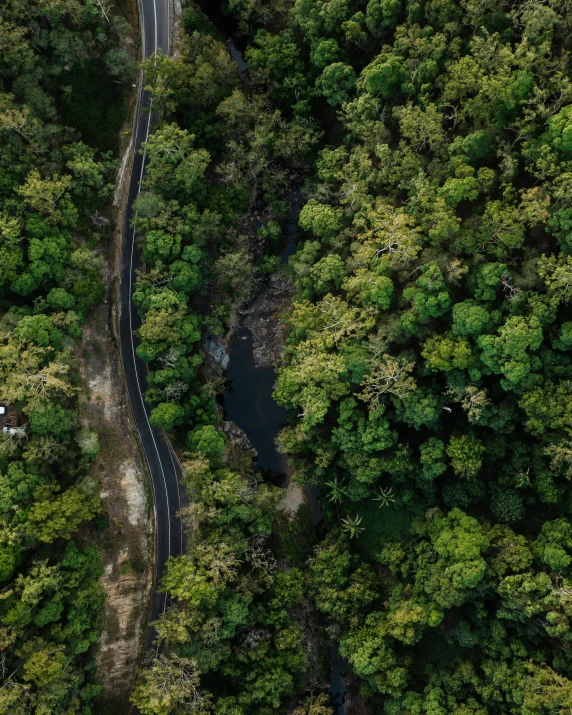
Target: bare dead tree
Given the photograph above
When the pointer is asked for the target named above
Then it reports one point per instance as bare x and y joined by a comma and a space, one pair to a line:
509, 290
176, 390
389, 376
169, 359
98, 219
174, 680
261, 558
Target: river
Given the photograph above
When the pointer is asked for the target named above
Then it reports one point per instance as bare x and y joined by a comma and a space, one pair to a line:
248, 401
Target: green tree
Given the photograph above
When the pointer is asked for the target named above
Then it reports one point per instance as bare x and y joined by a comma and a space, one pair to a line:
336, 83
166, 415
207, 440
169, 683
432, 458
50, 198
56, 516
320, 219
465, 453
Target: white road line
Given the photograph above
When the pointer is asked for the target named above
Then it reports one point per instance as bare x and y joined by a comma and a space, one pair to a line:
155, 19
178, 487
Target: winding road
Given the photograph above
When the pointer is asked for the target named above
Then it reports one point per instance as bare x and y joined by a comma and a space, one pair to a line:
163, 467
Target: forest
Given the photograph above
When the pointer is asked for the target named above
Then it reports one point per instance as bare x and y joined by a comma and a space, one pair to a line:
426, 368
57, 173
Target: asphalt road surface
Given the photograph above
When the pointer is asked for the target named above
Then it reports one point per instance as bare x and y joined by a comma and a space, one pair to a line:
163, 466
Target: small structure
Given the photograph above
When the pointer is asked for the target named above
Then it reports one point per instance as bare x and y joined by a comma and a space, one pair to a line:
14, 431
8, 416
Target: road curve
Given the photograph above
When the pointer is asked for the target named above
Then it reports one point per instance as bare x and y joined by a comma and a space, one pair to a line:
163, 467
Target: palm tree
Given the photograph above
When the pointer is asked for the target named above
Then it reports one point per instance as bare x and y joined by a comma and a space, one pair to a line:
352, 525
337, 491
385, 497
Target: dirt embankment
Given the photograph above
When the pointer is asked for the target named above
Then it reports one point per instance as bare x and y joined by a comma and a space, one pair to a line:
127, 543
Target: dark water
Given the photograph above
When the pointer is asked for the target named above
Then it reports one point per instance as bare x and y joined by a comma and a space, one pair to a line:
249, 404
227, 27
337, 691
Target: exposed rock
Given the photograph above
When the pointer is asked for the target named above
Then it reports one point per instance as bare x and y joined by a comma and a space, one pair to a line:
292, 500
217, 350
237, 438
127, 544
353, 703
263, 320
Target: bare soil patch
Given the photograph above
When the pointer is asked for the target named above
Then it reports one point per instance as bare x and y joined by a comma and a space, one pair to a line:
127, 544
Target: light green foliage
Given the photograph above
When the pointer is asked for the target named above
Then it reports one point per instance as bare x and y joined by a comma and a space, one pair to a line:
548, 408
89, 173
459, 542
470, 319
383, 77
560, 130
488, 280
432, 458
168, 685
507, 353
166, 415
342, 588
314, 706
175, 168
370, 289
465, 453
444, 352
229, 580
329, 272
336, 83
50, 198
320, 219
325, 52
206, 440
58, 515
161, 245
60, 299
60, 112
429, 296
39, 330
46, 419
11, 252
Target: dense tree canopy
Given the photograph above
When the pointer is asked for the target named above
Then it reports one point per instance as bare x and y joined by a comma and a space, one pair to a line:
427, 359
56, 177
426, 366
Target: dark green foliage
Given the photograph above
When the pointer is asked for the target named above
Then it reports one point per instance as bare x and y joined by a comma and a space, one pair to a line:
95, 104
